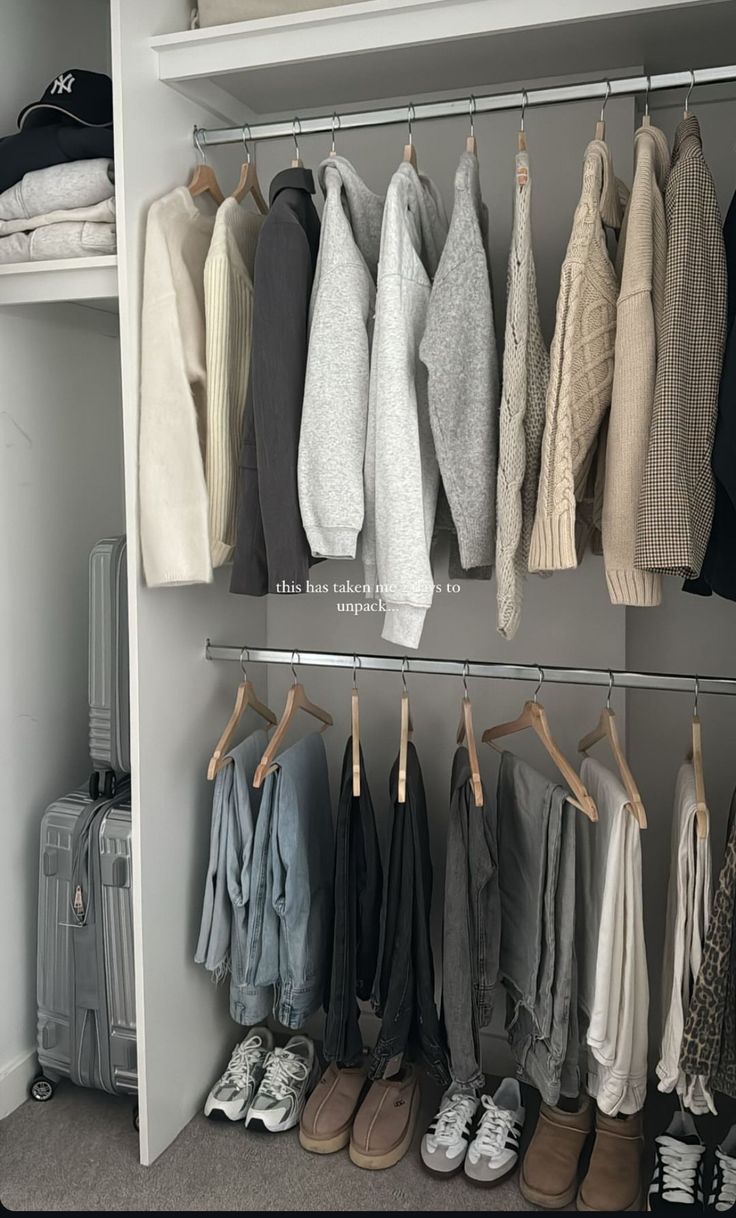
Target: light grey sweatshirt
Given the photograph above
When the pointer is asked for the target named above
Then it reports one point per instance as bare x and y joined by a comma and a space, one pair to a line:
459, 351
335, 409
401, 471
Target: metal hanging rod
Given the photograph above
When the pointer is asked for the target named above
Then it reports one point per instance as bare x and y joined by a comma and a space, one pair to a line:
553, 674
625, 86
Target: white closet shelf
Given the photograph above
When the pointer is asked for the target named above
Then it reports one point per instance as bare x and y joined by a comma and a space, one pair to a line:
328, 57
66, 279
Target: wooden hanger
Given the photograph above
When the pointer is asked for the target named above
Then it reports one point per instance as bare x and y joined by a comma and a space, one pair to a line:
296, 700
471, 144
410, 152
407, 729
600, 127
203, 180
607, 730
465, 732
534, 716
521, 137
335, 127
355, 731
296, 130
249, 184
646, 120
245, 697
686, 109
695, 755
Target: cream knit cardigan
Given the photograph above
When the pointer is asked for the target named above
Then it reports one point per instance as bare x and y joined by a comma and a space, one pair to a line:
521, 419
228, 298
581, 364
642, 260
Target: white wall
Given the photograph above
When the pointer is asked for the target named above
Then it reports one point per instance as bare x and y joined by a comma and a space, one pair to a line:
60, 490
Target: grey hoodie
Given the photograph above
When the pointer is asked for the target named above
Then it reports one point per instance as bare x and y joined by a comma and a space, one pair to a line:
335, 409
459, 350
401, 471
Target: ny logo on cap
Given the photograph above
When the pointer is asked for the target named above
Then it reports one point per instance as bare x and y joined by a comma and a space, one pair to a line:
63, 83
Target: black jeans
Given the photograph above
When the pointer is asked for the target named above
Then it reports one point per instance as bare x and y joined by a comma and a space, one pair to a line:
358, 893
405, 997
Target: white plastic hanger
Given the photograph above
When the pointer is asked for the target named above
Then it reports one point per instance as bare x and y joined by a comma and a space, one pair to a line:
606, 729
466, 733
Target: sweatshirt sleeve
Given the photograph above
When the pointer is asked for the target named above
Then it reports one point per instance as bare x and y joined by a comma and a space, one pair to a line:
333, 429
174, 523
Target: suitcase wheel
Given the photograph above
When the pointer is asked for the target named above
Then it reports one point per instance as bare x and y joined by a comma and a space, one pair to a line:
42, 1089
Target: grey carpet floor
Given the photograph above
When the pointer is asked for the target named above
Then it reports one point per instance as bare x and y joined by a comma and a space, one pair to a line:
80, 1152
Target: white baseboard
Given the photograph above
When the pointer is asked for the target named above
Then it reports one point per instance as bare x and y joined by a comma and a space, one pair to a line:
15, 1079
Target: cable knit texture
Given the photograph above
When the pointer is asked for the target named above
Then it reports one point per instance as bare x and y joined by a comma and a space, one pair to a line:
228, 299
676, 503
521, 423
581, 364
642, 260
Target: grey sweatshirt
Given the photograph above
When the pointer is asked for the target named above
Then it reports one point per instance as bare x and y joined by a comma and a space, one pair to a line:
459, 351
401, 471
335, 409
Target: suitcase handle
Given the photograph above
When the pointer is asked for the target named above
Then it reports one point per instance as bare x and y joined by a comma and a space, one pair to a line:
109, 781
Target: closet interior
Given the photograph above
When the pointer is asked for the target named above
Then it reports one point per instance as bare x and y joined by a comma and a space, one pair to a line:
291, 87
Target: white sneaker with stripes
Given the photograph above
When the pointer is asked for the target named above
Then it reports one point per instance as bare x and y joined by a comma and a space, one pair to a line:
445, 1143
494, 1151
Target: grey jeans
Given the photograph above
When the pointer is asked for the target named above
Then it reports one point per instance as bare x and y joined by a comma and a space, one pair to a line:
290, 926
471, 926
536, 852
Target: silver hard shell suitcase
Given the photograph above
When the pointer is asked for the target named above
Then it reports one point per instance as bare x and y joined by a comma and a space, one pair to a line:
85, 974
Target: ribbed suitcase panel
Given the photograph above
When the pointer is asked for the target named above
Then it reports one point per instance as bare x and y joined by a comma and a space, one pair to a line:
109, 712
117, 911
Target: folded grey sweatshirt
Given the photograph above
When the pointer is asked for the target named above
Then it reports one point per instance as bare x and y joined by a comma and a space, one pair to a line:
401, 471
335, 408
59, 188
80, 239
96, 213
459, 351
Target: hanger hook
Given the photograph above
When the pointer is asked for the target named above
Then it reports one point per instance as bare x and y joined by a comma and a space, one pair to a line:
466, 674
245, 141
697, 697
540, 682
356, 666
335, 126
404, 671
199, 140
524, 100
646, 96
296, 130
690, 89
410, 116
611, 684
244, 652
605, 99
472, 107
293, 670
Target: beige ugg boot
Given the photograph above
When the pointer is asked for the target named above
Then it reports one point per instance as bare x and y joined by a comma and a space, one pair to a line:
614, 1179
549, 1172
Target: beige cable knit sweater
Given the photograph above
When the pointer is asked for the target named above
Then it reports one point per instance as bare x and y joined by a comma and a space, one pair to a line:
642, 262
581, 364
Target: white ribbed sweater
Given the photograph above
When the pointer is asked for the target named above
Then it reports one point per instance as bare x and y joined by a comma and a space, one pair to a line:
642, 260
228, 294
521, 420
581, 364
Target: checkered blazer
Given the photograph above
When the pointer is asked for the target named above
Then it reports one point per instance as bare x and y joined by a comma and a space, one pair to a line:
677, 497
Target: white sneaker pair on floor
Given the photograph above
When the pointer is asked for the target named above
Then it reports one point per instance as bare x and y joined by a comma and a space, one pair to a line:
492, 1153
265, 1086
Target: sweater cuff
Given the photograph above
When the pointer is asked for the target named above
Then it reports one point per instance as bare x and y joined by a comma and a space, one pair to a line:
642, 589
325, 542
403, 624
553, 543
476, 548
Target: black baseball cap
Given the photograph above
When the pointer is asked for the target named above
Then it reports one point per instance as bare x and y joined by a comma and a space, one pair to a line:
75, 96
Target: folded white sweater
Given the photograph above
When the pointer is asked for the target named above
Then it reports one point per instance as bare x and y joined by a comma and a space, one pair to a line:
96, 213
58, 187
79, 239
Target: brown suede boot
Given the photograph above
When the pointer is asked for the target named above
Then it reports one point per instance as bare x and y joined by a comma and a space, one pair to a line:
614, 1177
329, 1112
549, 1172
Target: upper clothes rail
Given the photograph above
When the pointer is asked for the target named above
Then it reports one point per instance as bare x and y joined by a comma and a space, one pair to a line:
554, 674
626, 86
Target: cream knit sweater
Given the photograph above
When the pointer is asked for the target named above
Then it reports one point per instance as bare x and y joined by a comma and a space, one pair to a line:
581, 364
228, 295
521, 420
642, 260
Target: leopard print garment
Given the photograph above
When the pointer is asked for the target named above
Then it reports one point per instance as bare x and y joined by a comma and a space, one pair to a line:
709, 1039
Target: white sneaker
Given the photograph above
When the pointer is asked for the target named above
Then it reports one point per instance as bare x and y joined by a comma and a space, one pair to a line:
231, 1095
445, 1143
289, 1076
494, 1151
